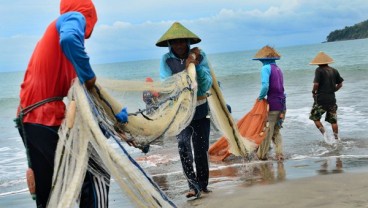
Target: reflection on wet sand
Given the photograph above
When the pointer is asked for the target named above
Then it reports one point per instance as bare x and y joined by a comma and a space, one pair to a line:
330, 166
234, 175
249, 173
225, 174
267, 173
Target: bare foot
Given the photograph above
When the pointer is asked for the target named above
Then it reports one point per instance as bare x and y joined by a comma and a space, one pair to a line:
279, 157
193, 193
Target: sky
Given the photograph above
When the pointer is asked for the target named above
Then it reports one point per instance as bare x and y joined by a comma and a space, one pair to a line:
128, 30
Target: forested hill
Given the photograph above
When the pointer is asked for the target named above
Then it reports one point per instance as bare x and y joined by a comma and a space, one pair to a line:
357, 31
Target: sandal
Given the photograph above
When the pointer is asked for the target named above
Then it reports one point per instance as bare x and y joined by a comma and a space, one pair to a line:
193, 193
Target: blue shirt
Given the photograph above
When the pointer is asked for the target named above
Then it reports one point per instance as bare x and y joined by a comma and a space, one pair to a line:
170, 65
71, 27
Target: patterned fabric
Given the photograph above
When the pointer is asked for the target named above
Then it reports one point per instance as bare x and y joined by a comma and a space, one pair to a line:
318, 111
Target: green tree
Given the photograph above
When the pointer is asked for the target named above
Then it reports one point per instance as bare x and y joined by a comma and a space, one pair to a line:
357, 31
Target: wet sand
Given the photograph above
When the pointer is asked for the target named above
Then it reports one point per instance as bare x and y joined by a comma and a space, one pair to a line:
324, 191
310, 182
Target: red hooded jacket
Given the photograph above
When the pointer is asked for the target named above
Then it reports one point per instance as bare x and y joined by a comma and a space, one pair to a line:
50, 73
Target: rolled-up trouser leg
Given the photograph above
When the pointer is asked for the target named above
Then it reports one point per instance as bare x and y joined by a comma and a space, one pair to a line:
277, 140
264, 148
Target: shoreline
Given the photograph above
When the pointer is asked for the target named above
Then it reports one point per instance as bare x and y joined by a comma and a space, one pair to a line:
321, 191
311, 182
321, 181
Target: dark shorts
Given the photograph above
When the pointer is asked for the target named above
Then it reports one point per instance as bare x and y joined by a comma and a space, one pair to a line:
318, 111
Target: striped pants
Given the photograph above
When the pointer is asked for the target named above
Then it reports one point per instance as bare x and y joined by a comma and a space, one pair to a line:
95, 189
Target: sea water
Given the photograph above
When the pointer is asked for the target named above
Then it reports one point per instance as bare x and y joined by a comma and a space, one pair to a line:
239, 75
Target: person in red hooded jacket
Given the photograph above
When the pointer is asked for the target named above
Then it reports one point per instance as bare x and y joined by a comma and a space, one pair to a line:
58, 58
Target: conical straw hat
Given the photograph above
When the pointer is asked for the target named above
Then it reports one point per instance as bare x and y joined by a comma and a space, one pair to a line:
267, 52
321, 59
177, 31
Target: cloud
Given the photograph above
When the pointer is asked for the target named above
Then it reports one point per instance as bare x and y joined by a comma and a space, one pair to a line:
129, 31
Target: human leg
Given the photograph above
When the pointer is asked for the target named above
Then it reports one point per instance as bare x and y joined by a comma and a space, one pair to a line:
264, 147
41, 143
200, 148
335, 129
277, 139
186, 158
331, 117
316, 115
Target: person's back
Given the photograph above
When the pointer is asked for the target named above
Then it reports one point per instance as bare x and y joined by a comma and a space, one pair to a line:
327, 77
40, 82
326, 82
276, 94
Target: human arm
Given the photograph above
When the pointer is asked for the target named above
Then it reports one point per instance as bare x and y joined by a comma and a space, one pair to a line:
316, 80
265, 81
339, 81
338, 86
204, 77
71, 30
315, 89
165, 70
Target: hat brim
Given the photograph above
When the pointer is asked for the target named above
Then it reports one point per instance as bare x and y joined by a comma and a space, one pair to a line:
268, 58
177, 31
164, 43
321, 63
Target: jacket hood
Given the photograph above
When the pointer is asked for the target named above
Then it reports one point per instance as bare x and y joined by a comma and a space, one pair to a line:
85, 7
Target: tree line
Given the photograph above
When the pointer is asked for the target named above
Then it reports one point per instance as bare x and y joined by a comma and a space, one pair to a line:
357, 31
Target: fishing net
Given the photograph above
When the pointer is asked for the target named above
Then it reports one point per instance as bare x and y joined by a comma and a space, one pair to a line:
92, 139
252, 127
95, 140
235, 142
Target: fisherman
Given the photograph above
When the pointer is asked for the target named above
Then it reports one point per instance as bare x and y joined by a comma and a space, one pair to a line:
178, 39
272, 87
58, 58
327, 81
